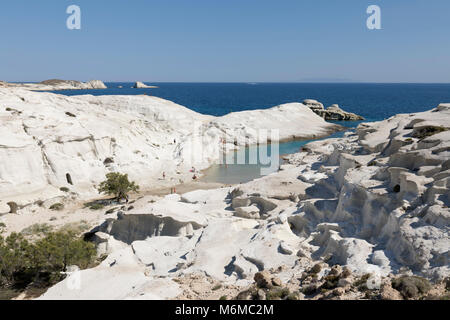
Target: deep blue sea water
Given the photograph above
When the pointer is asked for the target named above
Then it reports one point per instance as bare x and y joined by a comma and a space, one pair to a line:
372, 101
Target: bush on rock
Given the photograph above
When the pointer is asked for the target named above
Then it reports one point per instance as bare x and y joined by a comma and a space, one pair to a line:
57, 207
118, 185
411, 286
24, 264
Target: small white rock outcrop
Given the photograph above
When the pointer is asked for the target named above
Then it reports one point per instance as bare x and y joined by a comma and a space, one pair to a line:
141, 85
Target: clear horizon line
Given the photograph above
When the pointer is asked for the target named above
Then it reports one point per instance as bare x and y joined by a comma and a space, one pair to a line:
258, 82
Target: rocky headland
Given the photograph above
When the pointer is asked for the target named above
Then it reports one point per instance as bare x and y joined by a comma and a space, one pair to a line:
56, 85
333, 112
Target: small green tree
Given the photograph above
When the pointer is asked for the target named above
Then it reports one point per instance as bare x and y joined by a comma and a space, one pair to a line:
15, 257
23, 263
118, 185
59, 250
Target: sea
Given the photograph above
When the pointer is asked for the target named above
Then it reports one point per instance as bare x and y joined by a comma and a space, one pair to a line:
373, 101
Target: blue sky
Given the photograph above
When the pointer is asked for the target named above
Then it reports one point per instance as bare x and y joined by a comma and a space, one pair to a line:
226, 41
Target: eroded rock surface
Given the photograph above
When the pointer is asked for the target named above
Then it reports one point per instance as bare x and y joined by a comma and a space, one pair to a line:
50, 141
343, 218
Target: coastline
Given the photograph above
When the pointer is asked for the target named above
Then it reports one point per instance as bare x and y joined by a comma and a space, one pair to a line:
105, 125
307, 213
65, 85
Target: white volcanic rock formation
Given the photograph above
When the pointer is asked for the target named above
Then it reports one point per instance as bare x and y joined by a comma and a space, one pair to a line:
376, 201
386, 186
49, 141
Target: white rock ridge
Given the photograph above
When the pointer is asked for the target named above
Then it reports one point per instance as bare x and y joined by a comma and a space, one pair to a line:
49, 141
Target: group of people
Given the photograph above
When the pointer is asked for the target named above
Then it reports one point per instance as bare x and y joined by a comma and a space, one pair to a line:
194, 177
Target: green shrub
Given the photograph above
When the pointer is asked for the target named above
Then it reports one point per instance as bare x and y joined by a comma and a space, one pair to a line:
292, 296
428, 131
24, 264
372, 163
316, 269
16, 258
331, 282
57, 207
96, 206
217, 287
64, 189
277, 294
118, 185
36, 229
59, 250
411, 286
110, 211
361, 283
310, 289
